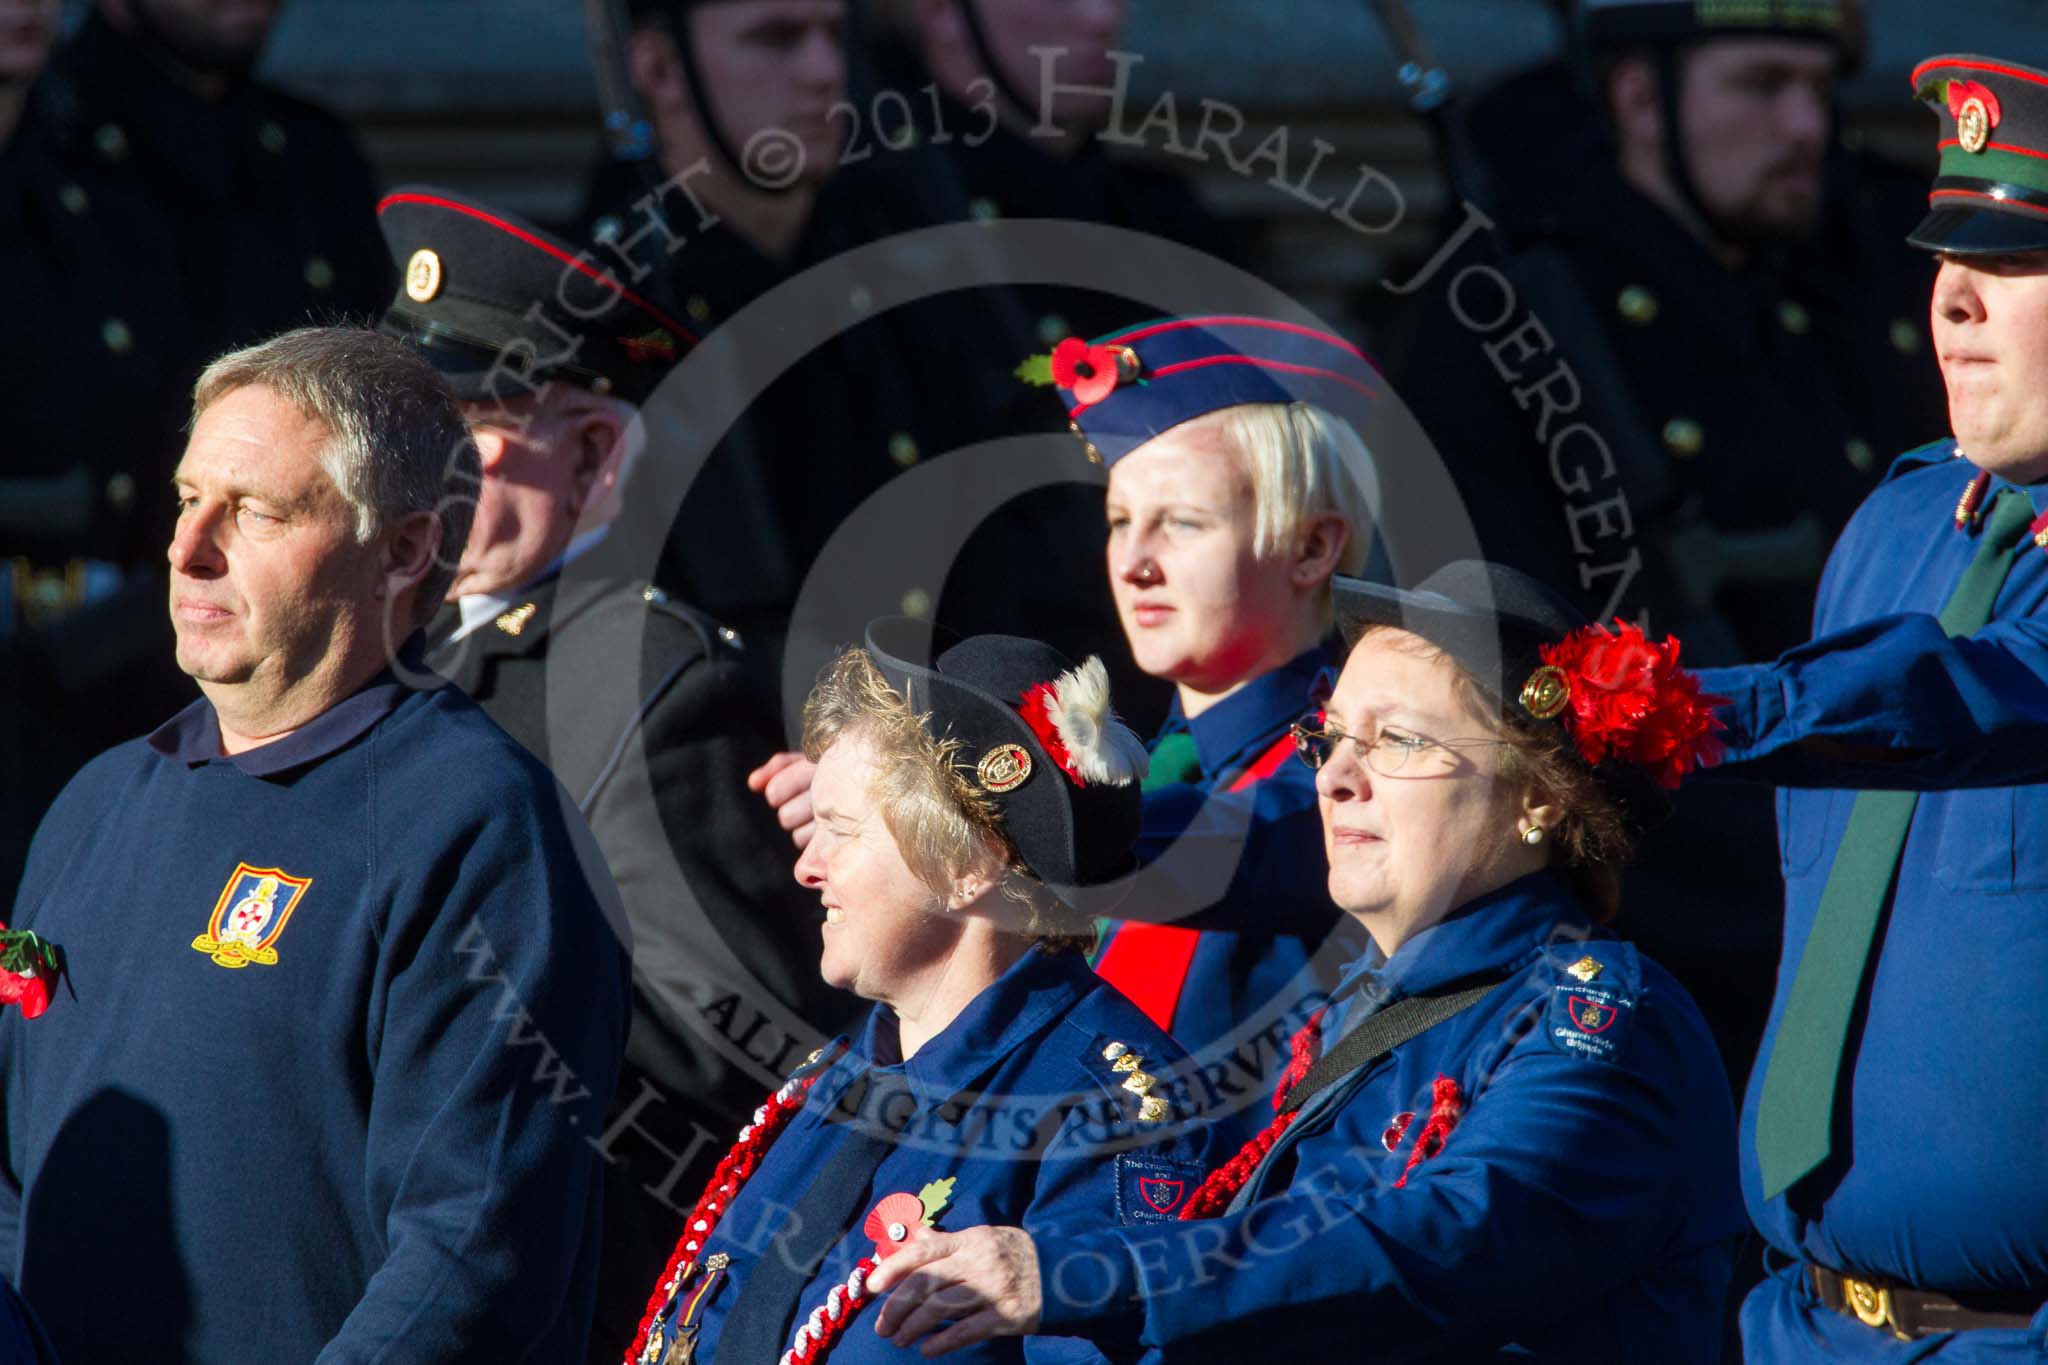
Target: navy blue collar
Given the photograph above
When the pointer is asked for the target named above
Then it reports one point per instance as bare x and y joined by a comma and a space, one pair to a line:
192, 737
1250, 715
1498, 931
1017, 1004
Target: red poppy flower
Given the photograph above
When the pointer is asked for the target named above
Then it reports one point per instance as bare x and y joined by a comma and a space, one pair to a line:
30, 968
1630, 700
904, 1211
1962, 92
1090, 371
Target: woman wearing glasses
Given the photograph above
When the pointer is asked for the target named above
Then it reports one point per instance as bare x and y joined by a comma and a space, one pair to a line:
1508, 1132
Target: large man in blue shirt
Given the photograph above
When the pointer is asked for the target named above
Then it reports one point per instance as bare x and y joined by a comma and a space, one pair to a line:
1892, 1128
348, 1004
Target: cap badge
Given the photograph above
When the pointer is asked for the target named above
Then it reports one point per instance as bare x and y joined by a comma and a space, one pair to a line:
1585, 969
1546, 693
1976, 113
1004, 768
423, 275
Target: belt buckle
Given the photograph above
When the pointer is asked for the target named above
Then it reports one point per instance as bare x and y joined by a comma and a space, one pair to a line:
1872, 1305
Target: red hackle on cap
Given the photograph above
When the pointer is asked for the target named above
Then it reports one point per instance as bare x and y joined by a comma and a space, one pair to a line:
1630, 700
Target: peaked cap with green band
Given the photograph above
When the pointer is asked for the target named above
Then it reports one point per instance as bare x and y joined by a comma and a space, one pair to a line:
1990, 192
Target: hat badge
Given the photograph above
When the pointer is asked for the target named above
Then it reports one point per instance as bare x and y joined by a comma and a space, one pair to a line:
1547, 692
1004, 768
423, 275
1976, 113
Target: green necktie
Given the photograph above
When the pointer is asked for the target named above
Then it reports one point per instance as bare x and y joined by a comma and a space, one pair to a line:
1174, 759
1795, 1109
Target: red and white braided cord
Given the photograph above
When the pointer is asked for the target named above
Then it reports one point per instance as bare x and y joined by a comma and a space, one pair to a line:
732, 1172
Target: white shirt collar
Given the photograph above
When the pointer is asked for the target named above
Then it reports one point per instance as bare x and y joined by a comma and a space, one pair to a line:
479, 609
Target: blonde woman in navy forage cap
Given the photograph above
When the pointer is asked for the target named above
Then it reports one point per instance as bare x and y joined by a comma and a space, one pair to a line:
1507, 1135
1235, 494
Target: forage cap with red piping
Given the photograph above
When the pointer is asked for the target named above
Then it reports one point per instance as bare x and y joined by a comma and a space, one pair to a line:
1123, 389
1039, 737
1990, 193
499, 305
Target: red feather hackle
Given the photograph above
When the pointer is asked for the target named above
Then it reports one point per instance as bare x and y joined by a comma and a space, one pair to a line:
1039, 699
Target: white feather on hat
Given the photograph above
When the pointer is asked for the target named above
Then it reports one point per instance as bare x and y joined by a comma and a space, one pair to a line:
1100, 747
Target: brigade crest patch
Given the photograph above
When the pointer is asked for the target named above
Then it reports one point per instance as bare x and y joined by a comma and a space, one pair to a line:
251, 913
1160, 1194
1589, 1021
1151, 1189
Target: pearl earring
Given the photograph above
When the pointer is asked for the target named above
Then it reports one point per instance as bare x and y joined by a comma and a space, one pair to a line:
1533, 835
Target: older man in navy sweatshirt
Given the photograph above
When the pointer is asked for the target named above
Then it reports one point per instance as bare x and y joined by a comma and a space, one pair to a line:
349, 996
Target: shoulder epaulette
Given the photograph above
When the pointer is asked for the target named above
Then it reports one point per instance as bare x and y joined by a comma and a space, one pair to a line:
1121, 1073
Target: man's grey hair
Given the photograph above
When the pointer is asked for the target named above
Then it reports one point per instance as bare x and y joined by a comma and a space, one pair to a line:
397, 441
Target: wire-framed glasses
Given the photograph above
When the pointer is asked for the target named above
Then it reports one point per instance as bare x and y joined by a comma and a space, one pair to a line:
1389, 751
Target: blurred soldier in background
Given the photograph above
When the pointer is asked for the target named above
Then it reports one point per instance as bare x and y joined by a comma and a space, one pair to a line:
737, 197
1659, 392
544, 616
1020, 132
768, 160
159, 207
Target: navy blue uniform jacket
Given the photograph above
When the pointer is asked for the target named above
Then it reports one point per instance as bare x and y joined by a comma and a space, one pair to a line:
1015, 1102
366, 1141
1246, 869
1583, 1208
1937, 1178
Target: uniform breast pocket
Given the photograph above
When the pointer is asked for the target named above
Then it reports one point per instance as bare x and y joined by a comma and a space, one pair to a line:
1802, 828
1992, 841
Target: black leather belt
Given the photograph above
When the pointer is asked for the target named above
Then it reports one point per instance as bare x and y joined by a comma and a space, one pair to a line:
1910, 1314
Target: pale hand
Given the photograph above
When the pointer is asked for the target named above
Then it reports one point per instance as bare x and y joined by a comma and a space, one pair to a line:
784, 782
983, 1280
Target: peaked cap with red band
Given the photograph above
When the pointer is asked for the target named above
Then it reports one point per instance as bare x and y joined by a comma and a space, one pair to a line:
1123, 389
1072, 822
498, 305
1636, 718
1990, 191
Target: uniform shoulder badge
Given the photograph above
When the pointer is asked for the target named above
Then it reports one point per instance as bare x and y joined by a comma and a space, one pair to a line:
1152, 1188
250, 915
1586, 1020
